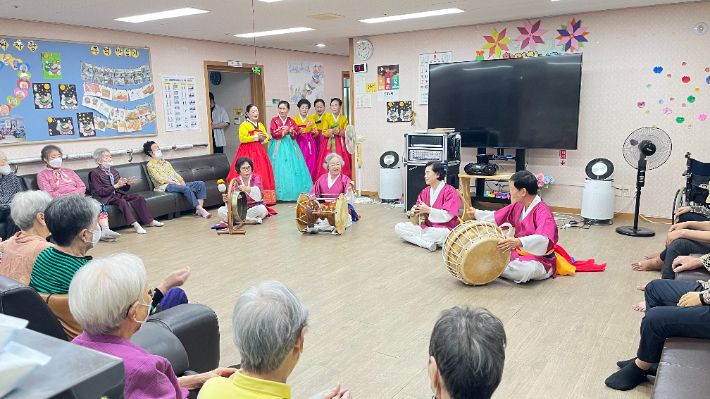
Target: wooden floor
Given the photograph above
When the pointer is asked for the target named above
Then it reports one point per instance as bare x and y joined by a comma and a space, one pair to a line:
373, 301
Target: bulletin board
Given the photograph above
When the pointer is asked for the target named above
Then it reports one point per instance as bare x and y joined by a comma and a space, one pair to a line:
52, 90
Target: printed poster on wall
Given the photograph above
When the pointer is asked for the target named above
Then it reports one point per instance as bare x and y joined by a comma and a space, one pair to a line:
424, 61
399, 111
363, 101
305, 80
360, 83
388, 83
180, 103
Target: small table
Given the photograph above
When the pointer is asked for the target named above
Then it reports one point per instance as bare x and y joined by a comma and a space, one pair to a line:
466, 187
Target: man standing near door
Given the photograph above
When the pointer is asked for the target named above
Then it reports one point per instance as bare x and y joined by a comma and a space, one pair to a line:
220, 121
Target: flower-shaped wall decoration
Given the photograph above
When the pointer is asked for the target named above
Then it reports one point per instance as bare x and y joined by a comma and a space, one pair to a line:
530, 35
572, 36
496, 43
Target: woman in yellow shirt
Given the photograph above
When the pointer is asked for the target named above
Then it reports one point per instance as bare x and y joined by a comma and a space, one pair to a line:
252, 136
305, 140
334, 137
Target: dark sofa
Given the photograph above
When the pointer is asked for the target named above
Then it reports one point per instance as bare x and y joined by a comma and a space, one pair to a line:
208, 168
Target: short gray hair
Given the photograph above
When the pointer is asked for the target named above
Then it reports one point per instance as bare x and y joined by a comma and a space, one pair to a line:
102, 291
26, 205
68, 215
266, 322
468, 345
330, 157
99, 153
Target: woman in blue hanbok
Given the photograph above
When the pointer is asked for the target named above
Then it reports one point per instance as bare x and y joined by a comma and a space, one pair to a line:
290, 171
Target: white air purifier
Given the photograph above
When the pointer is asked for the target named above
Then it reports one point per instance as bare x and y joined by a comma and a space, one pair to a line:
390, 177
598, 196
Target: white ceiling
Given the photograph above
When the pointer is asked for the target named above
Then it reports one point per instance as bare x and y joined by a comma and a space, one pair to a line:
226, 18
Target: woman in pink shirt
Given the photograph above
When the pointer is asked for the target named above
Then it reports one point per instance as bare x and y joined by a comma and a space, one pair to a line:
59, 181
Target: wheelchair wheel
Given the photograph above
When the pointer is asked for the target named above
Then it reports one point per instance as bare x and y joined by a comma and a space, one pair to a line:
678, 203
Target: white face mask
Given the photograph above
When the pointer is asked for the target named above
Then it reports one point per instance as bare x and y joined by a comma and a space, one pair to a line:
56, 163
107, 164
142, 322
5, 170
95, 237
158, 154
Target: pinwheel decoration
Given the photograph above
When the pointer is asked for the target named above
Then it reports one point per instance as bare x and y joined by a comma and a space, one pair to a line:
572, 36
530, 35
496, 43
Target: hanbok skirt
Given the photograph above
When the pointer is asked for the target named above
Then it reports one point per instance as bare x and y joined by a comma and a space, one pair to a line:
310, 153
334, 144
290, 172
262, 167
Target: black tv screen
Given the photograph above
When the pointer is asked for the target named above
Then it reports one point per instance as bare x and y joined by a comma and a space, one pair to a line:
509, 103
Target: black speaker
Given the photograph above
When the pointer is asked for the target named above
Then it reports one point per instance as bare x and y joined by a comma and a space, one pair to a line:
488, 169
415, 181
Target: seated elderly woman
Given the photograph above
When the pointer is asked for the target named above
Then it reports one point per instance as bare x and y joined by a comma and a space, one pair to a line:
59, 181
20, 252
250, 184
110, 300
9, 186
329, 186
109, 188
466, 354
269, 328
165, 178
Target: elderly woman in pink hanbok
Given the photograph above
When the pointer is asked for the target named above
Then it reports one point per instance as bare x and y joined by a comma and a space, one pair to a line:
329, 187
533, 256
440, 203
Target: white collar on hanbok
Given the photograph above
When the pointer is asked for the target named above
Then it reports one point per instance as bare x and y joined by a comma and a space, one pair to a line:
526, 212
283, 120
331, 182
247, 182
434, 194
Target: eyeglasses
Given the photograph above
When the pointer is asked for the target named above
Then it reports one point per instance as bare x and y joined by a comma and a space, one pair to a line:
246, 169
151, 293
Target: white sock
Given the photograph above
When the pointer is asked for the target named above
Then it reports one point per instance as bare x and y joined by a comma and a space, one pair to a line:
139, 229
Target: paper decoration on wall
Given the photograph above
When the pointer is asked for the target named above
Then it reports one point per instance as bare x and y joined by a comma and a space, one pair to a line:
573, 36
680, 119
641, 104
305, 80
707, 80
85, 120
399, 111
424, 61
363, 101
180, 103
52, 65
115, 76
388, 83
702, 117
479, 55
658, 70
43, 96
67, 97
496, 43
667, 111
5, 109
530, 35
114, 94
12, 128
686, 79
60, 126
99, 123
669, 75
691, 99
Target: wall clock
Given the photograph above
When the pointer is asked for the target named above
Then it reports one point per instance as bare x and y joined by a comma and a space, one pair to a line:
363, 49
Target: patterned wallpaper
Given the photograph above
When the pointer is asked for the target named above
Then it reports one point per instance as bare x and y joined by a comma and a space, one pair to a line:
620, 93
170, 56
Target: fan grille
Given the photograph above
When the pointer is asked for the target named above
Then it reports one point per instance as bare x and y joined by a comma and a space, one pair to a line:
658, 137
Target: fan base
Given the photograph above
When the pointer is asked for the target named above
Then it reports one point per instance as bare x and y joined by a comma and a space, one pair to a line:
639, 232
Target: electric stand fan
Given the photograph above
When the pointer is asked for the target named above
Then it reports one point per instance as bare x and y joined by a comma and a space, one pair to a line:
645, 149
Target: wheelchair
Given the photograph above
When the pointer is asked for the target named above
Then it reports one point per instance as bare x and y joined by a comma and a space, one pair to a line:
695, 192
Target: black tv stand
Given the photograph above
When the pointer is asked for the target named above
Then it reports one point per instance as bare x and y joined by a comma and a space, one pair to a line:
480, 180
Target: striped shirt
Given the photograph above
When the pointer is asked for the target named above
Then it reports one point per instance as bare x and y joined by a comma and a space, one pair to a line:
54, 270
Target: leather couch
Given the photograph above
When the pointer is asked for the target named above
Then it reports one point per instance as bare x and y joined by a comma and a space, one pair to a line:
187, 335
208, 168
684, 369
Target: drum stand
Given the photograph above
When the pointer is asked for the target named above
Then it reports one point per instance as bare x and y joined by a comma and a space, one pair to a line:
231, 228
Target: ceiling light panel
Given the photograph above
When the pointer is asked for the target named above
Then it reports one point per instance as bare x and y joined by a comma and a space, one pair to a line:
180, 12
273, 32
424, 14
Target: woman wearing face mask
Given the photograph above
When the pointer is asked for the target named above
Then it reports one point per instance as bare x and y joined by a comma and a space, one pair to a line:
252, 136
58, 181
321, 121
109, 188
290, 172
9, 186
305, 140
334, 137
110, 300
165, 178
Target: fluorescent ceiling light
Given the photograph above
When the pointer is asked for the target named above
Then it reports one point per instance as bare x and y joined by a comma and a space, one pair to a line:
320, 45
445, 11
180, 12
274, 32
269, 1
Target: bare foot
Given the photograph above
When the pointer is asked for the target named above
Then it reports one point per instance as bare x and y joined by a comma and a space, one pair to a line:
648, 265
651, 256
641, 287
641, 307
